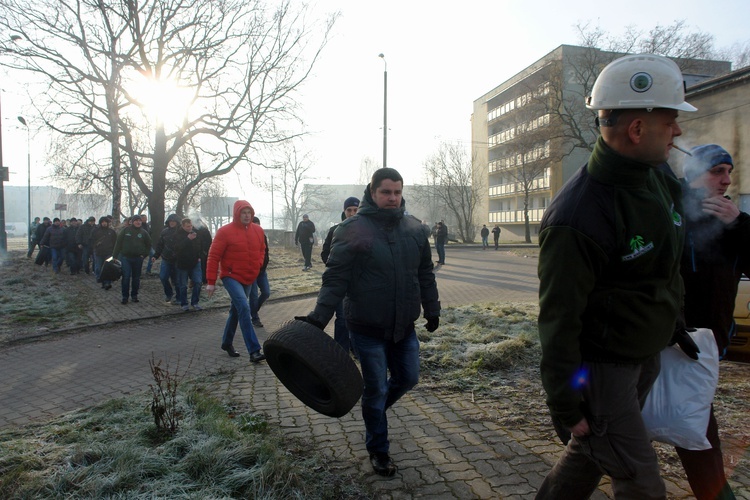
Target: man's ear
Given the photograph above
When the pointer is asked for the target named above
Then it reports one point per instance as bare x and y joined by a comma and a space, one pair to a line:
636, 130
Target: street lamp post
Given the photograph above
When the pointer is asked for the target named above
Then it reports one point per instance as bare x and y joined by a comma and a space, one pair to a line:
385, 110
28, 177
3, 173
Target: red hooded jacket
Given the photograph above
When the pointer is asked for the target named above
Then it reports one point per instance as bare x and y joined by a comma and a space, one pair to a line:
237, 250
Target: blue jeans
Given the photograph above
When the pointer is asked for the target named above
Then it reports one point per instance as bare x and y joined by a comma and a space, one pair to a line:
377, 357
86, 255
182, 280
485, 243
440, 247
58, 254
260, 283
131, 270
167, 277
239, 312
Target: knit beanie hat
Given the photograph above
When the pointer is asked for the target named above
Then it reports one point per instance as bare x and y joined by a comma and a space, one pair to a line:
351, 202
703, 159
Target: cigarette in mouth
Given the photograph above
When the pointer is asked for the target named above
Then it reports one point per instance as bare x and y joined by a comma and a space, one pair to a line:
678, 148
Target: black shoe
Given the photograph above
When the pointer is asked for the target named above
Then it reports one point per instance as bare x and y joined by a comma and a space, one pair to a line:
257, 357
230, 350
107, 287
382, 464
135, 299
256, 322
124, 301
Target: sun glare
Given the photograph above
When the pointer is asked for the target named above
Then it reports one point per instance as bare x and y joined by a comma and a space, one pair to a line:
162, 100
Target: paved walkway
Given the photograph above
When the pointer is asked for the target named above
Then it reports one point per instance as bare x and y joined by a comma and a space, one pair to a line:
446, 445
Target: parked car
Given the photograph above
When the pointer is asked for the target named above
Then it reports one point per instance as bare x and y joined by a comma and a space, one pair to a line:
739, 345
12, 232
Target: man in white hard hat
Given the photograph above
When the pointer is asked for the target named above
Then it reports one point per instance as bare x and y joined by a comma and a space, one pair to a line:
610, 288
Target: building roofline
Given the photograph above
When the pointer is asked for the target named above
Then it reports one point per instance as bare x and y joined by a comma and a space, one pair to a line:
708, 85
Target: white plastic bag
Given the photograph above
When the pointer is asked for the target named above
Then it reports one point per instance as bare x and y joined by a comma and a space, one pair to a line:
679, 404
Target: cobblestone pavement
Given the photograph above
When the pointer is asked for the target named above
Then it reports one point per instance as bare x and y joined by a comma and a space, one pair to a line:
445, 445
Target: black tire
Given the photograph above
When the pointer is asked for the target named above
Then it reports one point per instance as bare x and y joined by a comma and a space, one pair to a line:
314, 368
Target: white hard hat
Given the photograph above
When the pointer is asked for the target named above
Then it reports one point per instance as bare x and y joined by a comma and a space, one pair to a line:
637, 82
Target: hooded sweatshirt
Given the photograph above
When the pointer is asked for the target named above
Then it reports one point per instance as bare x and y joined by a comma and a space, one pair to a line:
237, 251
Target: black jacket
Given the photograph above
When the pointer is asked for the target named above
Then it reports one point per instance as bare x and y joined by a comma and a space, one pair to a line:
381, 262
187, 251
103, 241
54, 237
165, 247
305, 231
714, 257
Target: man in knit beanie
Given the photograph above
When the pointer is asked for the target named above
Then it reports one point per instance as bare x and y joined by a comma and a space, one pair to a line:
717, 239
340, 332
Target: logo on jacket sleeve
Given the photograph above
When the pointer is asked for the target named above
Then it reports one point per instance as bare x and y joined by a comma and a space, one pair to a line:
638, 247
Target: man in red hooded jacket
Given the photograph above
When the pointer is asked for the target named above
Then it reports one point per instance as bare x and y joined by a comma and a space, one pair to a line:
238, 251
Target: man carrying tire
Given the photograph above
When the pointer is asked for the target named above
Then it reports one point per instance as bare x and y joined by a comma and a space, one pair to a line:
381, 262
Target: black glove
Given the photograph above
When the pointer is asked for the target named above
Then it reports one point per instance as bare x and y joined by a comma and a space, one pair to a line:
685, 341
313, 322
432, 323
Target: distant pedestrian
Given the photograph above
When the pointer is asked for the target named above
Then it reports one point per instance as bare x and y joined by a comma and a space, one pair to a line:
164, 249
305, 238
131, 249
187, 246
32, 237
496, 235
83, 240
54, 238
39, 234
103, 239
485, 233
147, 227
260, 284
238, 251
72, 252
205, 236
441, 238
340, 331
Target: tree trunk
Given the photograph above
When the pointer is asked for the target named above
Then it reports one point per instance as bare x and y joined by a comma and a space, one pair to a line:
159, 180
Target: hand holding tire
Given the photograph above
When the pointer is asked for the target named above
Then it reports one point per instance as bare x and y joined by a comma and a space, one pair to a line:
312, 321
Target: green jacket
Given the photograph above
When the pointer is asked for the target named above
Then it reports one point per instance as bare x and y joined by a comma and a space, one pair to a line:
132, 242
609, 270
381, 261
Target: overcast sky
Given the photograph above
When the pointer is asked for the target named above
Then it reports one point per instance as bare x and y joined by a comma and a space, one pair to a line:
440, 58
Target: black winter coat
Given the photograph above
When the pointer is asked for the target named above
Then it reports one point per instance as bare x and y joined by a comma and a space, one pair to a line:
714, 257
187, 251
381, 262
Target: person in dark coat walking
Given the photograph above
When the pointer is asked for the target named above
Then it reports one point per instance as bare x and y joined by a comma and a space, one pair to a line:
103, 239
164, 249
54, 238
716, 254
485, 233
381, 262
496, 235
340, 331
305, 238
188, 252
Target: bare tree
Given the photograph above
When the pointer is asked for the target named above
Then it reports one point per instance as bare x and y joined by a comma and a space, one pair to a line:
292, 172
238, 64
526, 158
449, 180
367, 167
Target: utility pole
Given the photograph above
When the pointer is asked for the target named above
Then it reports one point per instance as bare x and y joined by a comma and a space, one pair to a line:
385, 110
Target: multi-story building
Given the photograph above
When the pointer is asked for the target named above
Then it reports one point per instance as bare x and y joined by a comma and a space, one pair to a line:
532, 132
